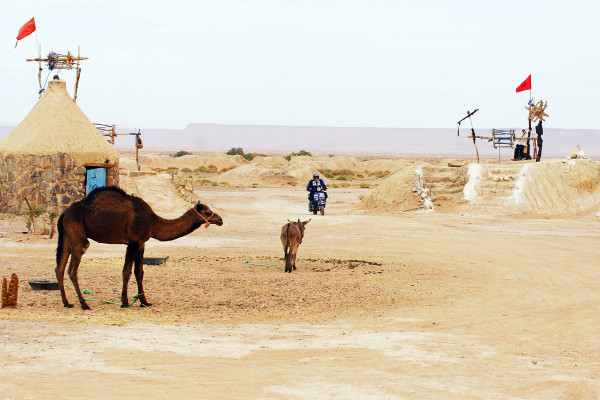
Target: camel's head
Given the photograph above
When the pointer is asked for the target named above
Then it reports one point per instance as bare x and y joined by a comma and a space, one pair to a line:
207, 215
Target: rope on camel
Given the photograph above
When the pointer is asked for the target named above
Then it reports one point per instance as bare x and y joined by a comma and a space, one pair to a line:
135, 298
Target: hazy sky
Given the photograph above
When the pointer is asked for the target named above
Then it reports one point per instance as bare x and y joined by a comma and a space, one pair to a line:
375, 63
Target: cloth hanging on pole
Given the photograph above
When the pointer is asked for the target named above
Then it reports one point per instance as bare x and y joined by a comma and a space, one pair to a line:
26, 30
526, 85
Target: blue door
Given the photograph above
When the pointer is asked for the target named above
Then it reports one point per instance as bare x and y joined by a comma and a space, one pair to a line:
96, 177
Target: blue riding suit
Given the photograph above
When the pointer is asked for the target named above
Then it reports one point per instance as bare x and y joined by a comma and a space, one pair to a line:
315, 185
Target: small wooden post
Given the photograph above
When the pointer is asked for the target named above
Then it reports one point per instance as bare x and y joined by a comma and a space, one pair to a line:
4, 293
474, 142
10, 292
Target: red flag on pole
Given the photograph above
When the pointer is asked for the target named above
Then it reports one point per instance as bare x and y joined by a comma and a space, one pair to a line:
26, 30
526, 85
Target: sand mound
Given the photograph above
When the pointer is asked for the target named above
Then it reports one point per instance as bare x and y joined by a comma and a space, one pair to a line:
191, 161
382, 165
395, 191
158, 191
546, 188
560, 187
270, 167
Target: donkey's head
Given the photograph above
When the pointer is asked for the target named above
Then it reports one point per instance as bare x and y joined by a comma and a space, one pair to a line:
301, 226
206, 215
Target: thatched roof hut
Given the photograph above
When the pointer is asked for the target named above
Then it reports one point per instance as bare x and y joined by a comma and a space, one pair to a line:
53, 154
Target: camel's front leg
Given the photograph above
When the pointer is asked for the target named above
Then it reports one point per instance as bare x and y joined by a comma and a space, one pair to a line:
130, 256
139, 275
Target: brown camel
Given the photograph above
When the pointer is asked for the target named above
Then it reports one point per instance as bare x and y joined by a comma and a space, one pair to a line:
109, 215
292, 234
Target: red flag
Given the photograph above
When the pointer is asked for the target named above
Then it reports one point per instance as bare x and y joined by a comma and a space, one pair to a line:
26, 30
526, 85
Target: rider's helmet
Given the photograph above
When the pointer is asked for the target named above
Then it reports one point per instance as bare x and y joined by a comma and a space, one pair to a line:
315, 176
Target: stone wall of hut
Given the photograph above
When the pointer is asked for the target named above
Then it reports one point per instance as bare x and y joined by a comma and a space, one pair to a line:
54, 182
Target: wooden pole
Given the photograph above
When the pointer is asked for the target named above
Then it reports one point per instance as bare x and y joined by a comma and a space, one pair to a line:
137, 150
474, 142
40, 67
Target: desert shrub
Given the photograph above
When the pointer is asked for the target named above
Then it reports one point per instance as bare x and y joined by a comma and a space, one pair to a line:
214, 183
300, 153
210, 169
186, 169
181, 153
328, 175
345, 172
364, 185
239, 151
226, 169
250, 156
234, 151
33, 211
51, 217
292, 183
341, 178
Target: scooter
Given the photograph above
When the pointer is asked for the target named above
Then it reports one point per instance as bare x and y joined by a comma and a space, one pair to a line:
317, 204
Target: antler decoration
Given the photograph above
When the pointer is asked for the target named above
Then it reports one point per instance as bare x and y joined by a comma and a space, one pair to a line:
537, 111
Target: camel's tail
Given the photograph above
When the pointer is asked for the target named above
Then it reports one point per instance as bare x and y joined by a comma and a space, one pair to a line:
61, 238
287, 244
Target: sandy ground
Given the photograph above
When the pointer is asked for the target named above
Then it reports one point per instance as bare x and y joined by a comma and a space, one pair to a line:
383, 306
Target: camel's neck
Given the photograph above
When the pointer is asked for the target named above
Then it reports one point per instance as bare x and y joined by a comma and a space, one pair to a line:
171, 229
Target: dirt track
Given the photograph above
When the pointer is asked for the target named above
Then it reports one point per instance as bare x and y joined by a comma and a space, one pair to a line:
413, 305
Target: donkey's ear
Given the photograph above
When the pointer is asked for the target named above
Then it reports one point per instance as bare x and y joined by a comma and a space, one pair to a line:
305, 222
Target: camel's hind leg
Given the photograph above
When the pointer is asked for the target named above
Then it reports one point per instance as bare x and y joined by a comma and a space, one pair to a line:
139, 275
61, 264
76, 254
130, 256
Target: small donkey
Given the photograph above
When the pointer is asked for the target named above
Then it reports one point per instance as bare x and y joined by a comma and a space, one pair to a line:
291, 237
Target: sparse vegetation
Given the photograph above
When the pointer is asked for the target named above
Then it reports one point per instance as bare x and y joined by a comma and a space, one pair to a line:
328, 175
186, 169
181, 153
364, 185
292, 183
204, 182
235, 151
210, 169
51, 217
239, 151
33, 211
300, 153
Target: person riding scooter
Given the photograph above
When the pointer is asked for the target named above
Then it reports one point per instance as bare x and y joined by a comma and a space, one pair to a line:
315, 185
